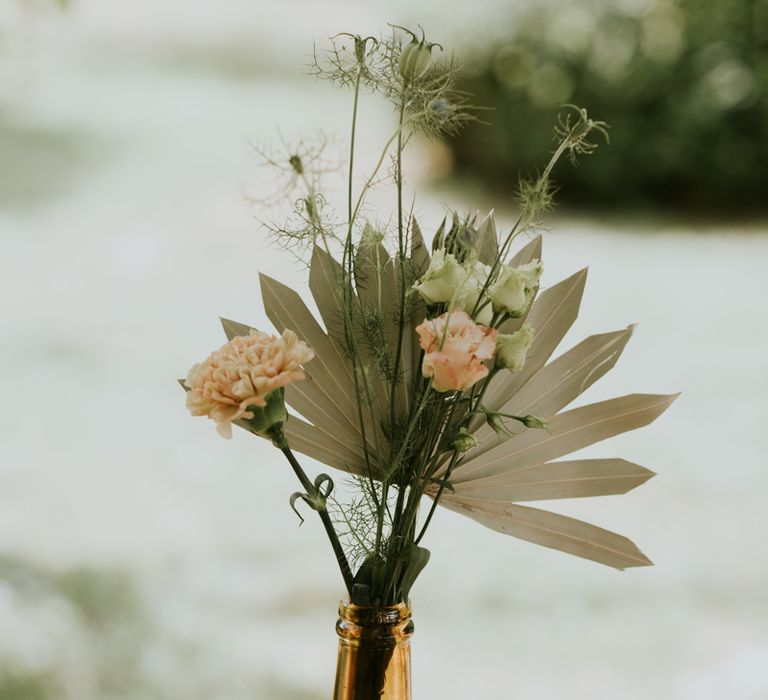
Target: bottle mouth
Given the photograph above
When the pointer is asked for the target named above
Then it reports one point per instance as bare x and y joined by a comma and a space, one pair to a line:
374, 615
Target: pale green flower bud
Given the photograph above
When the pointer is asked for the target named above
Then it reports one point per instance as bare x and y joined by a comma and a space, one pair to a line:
441, 280
415, 60
512, 348
533, 422
514, 287
464, 441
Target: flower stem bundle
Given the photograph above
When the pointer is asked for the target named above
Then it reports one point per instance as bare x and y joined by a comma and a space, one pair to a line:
428, 378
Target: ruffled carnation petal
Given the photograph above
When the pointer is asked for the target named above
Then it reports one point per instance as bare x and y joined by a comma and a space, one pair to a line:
242, 373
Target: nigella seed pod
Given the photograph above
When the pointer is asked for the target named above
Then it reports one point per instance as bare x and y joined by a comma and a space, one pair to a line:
415, 60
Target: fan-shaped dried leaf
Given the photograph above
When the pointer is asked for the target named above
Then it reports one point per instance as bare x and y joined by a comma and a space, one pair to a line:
419, 250
325, 448
325, 283
233, 328
567, 432
557, 384
567, 479
487, 241
529, 252
551, 530
330, 387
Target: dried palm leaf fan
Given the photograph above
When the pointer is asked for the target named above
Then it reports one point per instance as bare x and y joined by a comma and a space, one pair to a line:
490, 480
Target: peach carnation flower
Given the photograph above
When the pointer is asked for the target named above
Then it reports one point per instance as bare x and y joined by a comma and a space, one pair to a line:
241, 374
454, 349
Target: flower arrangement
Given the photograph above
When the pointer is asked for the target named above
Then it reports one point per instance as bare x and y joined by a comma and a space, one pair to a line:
427, 380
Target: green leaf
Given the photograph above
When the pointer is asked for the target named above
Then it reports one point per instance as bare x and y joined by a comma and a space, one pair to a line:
417, 559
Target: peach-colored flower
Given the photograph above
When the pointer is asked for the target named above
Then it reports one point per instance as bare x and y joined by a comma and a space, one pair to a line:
241, 373
454, 349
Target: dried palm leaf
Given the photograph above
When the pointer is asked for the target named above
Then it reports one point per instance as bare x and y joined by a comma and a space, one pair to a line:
490, 479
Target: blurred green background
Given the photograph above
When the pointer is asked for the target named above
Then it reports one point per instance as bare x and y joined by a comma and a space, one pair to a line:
683, 84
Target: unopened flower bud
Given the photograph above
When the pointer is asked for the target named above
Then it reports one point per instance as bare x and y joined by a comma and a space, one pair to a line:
464, 441
533, 422
415, 60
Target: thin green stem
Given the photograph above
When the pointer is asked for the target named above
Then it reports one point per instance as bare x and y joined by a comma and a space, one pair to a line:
348, 295
313, 216
322, 511
436, 499
518, 226
372, 177
401, 312
401, 259
352, 137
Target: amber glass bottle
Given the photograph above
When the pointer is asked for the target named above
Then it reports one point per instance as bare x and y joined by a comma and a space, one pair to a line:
374, 661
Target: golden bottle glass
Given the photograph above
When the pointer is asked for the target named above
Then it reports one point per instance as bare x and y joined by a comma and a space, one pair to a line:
374, 660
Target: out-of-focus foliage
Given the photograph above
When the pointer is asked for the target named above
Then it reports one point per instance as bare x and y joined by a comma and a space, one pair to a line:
66, 635
683, 83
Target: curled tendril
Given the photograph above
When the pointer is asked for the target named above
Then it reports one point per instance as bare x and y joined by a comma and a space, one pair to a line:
317, 499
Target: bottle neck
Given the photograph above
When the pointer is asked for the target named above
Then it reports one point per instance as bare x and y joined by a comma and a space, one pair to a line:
374, 659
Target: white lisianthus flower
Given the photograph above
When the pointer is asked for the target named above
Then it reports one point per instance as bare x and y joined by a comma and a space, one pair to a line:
442, 279
476, 275
512, 348
513, 289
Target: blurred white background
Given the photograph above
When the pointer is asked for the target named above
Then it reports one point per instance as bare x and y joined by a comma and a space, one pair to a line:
144, 557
